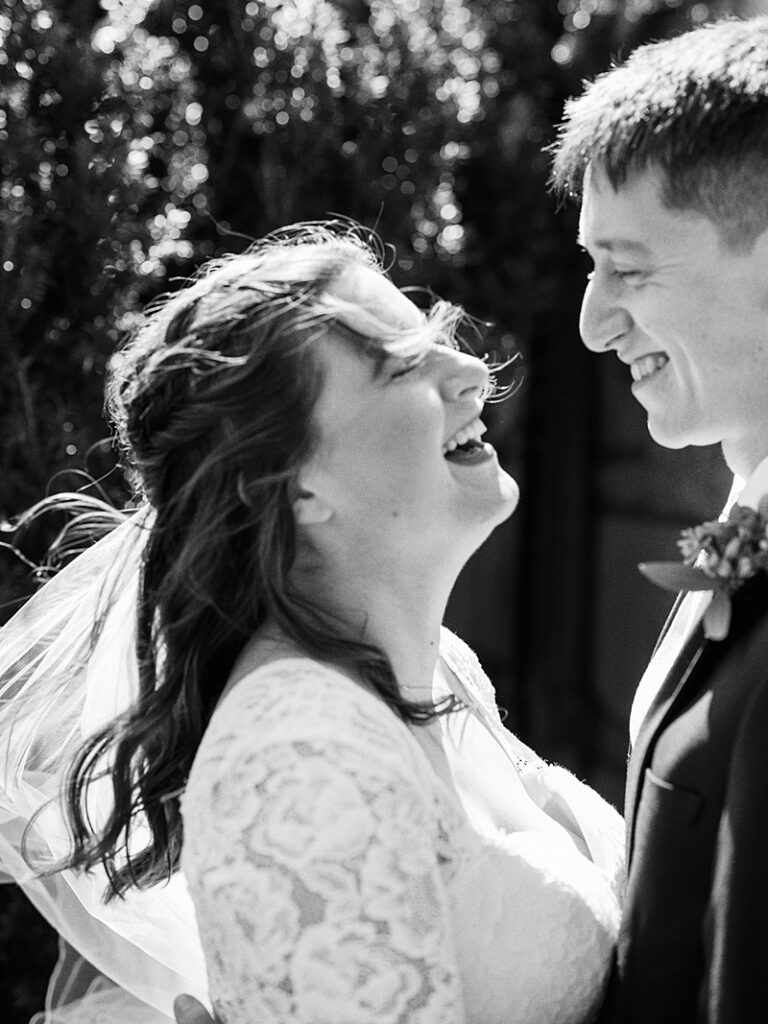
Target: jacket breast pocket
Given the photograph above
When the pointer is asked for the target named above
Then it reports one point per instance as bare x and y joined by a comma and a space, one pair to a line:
665, 800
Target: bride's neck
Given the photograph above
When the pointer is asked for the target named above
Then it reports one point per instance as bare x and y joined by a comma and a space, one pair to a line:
398, 611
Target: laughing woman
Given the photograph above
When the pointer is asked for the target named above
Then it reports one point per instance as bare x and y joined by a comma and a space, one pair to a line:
288, 722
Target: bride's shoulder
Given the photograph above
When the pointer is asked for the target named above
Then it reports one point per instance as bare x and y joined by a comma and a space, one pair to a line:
290, 701
296, 725
297, 686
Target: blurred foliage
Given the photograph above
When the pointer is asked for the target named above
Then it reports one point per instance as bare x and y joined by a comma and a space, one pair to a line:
138, 137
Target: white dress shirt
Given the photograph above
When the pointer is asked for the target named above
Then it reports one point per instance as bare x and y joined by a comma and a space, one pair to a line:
690, 610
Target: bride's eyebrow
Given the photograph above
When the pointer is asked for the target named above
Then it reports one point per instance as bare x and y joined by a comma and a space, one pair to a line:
376, 354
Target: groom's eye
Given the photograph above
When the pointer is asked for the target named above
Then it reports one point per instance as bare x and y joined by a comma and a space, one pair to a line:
630, 276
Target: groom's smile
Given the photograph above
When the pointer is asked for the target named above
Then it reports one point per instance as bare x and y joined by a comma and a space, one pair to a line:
687, 313
647, 366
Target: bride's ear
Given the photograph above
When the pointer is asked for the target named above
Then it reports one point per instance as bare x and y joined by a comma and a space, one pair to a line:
309, 509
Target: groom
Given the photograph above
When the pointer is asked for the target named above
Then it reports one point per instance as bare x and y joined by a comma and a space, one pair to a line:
668, 153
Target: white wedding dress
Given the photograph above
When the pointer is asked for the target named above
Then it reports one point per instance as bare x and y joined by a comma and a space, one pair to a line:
349, 869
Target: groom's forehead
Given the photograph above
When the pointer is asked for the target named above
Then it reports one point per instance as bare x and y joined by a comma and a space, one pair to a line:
631, 216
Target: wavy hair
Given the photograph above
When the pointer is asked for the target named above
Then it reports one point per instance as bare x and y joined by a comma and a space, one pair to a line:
212, 402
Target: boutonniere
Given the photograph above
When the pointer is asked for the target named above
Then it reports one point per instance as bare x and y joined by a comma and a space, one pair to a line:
717, 556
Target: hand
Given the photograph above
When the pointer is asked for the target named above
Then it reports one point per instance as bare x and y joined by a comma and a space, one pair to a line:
188, 1010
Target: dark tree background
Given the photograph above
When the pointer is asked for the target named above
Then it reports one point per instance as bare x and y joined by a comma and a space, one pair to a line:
138, 138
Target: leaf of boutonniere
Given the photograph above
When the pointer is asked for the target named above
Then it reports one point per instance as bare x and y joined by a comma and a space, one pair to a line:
717, 617
676, 577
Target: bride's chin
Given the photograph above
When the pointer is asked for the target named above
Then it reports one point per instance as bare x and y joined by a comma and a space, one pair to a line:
509, 494
505, 505
499, 506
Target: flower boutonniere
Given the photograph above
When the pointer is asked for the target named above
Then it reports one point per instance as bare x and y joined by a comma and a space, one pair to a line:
720, 557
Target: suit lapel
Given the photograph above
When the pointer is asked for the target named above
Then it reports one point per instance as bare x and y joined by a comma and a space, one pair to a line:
670, 619
676, 681
695, 663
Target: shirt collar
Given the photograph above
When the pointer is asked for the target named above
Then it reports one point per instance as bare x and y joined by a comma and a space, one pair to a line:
749, 492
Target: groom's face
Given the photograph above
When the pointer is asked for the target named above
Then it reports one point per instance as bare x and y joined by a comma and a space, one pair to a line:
686, 315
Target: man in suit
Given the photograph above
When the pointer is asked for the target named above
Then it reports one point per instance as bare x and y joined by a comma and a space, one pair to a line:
668, 153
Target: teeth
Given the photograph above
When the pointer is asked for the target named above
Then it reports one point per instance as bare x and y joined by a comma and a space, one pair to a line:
642, 368
472, 432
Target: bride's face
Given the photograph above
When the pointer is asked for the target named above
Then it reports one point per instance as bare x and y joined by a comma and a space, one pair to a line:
386, 464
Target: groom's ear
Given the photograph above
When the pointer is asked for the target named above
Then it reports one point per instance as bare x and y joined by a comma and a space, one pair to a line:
309, 509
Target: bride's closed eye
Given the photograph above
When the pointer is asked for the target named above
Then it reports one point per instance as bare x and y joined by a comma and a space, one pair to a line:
407, 366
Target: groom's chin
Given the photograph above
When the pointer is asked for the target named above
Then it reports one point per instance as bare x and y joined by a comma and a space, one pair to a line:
676, 436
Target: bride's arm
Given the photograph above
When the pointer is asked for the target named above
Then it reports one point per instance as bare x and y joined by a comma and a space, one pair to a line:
317, 888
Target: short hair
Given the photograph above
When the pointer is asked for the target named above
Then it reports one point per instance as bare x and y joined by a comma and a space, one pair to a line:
694, 107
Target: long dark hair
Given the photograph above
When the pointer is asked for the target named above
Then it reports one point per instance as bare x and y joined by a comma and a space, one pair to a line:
212, 402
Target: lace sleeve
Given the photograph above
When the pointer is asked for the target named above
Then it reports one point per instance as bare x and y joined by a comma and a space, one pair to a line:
313, 869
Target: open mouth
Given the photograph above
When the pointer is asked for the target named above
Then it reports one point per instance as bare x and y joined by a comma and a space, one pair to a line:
466, 445
472, 451
645, 367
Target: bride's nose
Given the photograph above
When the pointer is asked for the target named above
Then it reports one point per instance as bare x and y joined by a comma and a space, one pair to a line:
464, 376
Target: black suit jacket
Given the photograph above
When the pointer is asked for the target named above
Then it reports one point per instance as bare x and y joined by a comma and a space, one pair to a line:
693, 947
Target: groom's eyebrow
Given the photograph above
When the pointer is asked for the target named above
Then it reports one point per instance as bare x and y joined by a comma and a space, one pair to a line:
612, 244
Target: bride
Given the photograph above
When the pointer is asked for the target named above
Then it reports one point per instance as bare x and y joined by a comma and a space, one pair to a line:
248, 680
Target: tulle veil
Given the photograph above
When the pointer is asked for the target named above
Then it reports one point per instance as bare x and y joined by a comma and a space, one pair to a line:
67, 666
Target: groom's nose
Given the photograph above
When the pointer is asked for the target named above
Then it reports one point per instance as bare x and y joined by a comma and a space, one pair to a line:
604, 321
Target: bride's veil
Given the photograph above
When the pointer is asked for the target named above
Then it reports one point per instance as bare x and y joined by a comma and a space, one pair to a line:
67, 666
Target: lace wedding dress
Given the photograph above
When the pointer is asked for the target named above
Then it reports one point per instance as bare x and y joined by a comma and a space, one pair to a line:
349, 869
